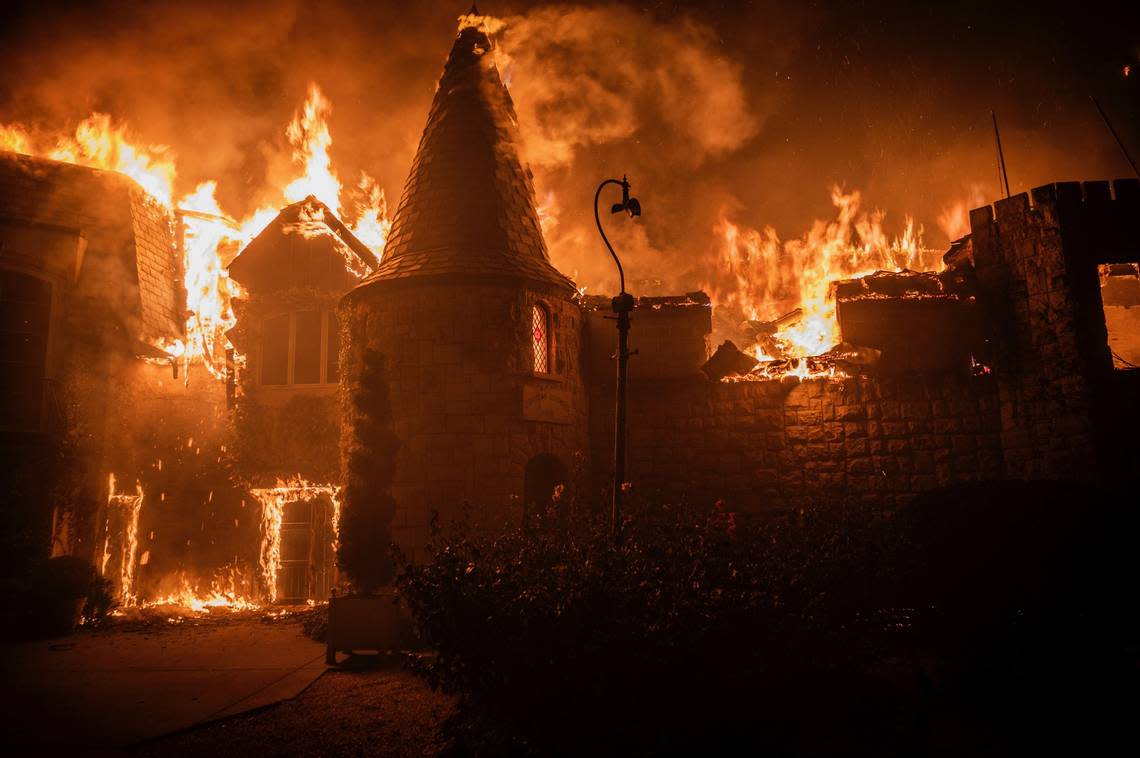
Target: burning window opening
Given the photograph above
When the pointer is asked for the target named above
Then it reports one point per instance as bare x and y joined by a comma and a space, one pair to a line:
121, 541
1120, 295
274, 551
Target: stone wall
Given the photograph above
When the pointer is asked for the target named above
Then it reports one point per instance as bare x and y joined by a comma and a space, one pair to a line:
1037, 270
287, 430
760, 444
1045, 402
468, 409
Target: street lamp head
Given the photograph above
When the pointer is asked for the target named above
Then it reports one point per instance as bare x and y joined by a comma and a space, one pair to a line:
628, 204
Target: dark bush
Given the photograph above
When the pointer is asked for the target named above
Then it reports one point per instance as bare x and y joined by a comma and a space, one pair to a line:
697, 623
57, 592
826, 631
366, 521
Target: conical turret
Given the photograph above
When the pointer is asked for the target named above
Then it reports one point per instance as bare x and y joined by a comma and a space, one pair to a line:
468, 205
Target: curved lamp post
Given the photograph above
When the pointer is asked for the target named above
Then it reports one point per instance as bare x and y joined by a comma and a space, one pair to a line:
622, 305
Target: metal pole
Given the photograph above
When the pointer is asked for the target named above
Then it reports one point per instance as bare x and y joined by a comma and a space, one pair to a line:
1119, 142
622, 305
1001, 155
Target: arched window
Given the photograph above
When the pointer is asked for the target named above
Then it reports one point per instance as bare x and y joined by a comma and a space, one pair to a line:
540, 338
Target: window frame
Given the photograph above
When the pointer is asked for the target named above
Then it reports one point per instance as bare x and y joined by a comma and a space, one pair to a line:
327, 320
540, 306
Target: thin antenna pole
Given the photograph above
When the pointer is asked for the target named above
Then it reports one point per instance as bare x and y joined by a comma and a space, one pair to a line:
1119, 142
1002, 175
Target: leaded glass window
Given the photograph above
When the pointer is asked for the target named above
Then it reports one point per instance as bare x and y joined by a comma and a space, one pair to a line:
540, 338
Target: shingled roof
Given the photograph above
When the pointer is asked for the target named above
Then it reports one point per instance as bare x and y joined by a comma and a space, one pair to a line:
306, 245
468, 204
130, 261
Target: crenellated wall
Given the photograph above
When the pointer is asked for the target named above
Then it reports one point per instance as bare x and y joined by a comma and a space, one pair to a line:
1042, 403
1036, 257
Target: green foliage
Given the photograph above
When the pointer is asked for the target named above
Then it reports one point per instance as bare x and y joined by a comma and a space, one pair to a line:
366, 519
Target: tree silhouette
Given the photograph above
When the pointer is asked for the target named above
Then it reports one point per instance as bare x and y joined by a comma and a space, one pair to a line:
366, 521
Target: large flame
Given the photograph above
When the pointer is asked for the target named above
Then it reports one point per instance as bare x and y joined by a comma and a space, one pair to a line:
121, 539
764, 277
310, 136
210, 238
101, 144
228, 590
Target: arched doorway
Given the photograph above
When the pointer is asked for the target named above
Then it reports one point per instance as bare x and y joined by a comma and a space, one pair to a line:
544, 473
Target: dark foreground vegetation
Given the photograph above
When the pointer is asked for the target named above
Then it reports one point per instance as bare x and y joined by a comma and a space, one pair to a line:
982, 619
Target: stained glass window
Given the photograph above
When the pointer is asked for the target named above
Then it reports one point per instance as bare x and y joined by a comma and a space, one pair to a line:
540, 337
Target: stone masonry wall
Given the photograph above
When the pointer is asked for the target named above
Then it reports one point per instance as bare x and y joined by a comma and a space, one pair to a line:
468, 409
876, 440
1037, 269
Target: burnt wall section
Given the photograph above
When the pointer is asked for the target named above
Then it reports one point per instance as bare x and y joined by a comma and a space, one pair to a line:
102, 250
468, 408
1036, 258
172, 436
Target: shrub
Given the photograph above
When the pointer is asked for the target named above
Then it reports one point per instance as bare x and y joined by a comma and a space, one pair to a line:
989, 606
699, 619
48, 602
366, 520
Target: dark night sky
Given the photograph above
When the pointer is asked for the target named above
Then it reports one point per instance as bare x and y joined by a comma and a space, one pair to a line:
747, 109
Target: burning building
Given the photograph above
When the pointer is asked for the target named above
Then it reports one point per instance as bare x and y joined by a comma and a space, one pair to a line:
481, 333
997, 367
286, 424
162, 448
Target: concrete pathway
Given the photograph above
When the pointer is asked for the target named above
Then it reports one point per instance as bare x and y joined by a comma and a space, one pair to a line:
106, 690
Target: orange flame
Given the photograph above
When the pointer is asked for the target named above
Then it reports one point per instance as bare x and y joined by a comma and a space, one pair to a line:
226, 591
372, 224
764, 276
15, 139
310, 136
211, 238
954, 220
100, 144
122, 528
273, 501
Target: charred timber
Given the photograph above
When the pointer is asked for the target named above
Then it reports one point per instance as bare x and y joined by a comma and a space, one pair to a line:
925, 322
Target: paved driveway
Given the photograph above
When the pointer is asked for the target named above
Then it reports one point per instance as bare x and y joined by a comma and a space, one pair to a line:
104, 690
